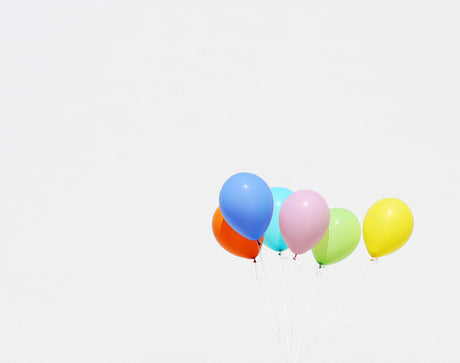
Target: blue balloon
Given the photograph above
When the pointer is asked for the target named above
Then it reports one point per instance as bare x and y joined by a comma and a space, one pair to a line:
273, 237
246, 203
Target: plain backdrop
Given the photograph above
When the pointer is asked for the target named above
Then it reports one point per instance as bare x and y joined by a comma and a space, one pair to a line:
121, 120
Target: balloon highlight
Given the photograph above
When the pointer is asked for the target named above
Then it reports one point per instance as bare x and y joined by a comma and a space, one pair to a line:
341, 238
246, 203
387, 226
304, 219
273, 237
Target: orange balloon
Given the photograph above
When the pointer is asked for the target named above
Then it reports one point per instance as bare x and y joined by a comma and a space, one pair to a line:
231, 240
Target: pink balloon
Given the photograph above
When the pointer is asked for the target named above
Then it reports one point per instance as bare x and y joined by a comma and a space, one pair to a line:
304, 220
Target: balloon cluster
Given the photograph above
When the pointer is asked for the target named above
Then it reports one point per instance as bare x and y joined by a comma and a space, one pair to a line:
251, 214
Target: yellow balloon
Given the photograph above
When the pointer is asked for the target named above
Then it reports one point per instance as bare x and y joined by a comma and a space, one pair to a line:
387, 226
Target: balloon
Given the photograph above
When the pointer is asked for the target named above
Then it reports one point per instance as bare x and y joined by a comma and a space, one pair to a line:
246, 203
387, 226
273, 237
341, 238
231, 240
304, 219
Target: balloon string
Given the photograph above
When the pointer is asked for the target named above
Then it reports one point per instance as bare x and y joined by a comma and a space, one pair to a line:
259, 270
313, 297
339, 307
297, 270
275, 321
285, 308
262, 285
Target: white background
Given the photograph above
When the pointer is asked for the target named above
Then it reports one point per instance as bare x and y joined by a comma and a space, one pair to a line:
121, 120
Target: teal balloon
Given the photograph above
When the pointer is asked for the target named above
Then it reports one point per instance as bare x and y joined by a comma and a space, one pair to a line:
273, 237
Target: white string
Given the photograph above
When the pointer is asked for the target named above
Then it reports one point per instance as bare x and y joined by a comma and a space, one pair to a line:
339, 307
284, 298
313, 297
276, 323
260, 276
262, 285
293, 310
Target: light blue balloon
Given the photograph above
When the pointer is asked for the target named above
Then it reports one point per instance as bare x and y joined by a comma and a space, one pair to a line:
246, 204
273, 237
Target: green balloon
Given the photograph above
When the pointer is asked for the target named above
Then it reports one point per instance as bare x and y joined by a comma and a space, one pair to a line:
341, 238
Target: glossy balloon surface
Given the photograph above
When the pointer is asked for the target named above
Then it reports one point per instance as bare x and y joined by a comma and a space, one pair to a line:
387, 226
246, 203
231, 240
341, 238
304, 220
273, 237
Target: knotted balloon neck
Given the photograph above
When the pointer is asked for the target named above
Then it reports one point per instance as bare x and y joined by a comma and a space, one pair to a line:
258, 247
295, 257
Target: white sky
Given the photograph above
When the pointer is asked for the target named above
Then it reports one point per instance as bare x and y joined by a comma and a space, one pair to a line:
120, 121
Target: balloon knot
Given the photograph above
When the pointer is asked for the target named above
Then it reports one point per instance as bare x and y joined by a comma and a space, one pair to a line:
254, 260
295, 257
279, 253
258, 242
